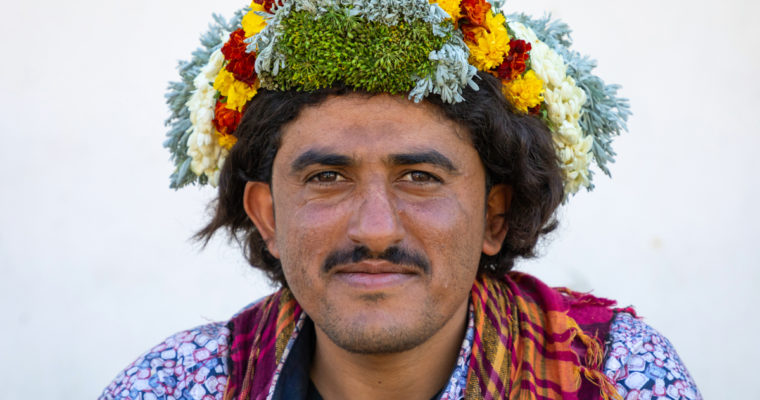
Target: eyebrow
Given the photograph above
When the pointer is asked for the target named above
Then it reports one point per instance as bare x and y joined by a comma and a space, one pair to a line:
426, 157
314, 156
320, 157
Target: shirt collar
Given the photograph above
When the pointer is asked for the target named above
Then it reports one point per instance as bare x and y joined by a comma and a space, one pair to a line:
291, 378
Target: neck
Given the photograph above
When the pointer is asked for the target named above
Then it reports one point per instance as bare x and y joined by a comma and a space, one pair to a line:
414, 374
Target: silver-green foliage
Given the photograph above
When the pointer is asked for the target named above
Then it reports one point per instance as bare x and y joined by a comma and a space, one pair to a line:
604, 115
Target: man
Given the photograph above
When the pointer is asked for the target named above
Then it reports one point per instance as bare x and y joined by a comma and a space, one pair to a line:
386, 164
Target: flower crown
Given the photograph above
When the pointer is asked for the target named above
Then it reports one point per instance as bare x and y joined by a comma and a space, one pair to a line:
394, 46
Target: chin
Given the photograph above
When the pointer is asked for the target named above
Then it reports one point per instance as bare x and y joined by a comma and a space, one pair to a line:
379, 333
378, 341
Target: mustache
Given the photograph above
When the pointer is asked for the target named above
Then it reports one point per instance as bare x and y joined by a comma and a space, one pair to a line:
393, 254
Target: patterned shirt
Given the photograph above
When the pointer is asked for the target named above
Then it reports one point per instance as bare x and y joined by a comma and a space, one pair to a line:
193, 365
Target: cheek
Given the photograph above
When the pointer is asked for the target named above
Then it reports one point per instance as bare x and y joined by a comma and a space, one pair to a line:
451, 234
305, 235
443, 221
316, 225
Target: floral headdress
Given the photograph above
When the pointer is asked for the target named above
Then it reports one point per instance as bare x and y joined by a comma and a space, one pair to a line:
396, 46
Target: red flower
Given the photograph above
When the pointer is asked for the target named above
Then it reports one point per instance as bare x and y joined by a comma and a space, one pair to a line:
475, 11
239, 62
244, 70
469, 32
226, 120
268, 4
235, 47
515, 62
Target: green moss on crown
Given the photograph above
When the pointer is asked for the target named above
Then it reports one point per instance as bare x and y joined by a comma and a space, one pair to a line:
338, 47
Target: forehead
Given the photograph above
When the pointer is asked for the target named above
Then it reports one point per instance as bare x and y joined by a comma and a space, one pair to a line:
366, 126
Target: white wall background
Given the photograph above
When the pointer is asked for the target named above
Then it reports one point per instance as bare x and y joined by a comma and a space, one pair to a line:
95, 261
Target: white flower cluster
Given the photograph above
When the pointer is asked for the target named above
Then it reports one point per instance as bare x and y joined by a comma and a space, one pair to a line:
202, 145
563, 102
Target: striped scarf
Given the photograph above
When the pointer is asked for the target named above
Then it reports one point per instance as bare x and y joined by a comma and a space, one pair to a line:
530, 342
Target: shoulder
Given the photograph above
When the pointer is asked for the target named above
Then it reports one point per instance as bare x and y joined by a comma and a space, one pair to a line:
643, 364
191, 362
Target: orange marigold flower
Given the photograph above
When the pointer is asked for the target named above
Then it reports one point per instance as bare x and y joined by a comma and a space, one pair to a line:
225, 119
475, 11
516, 61
470, 33
239, 62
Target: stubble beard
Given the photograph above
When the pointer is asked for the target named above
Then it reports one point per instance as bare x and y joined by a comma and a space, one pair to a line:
360, 336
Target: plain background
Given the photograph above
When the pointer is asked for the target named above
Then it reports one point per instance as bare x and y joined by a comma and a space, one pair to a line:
95, 261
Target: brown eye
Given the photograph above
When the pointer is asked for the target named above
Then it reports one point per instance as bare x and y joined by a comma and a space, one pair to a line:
420, 177
326, 177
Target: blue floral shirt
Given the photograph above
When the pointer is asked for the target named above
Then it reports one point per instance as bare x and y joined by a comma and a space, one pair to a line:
193, 365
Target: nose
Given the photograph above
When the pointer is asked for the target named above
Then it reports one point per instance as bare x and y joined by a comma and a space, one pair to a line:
376, 223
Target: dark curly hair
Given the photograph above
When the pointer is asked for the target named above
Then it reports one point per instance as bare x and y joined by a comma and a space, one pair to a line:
516, 149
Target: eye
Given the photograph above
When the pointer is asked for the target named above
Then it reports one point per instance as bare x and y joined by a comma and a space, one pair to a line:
420, 177
326, 177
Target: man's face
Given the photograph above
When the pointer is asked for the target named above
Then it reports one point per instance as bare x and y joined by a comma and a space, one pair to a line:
379, 220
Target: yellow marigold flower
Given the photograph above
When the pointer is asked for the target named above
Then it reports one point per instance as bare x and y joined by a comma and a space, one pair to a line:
452, 7
491, 44
223, 81
252, 22
525, 92
237, 93
226, 141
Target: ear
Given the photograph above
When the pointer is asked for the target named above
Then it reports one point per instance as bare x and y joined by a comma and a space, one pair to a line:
497, 205
258, 204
